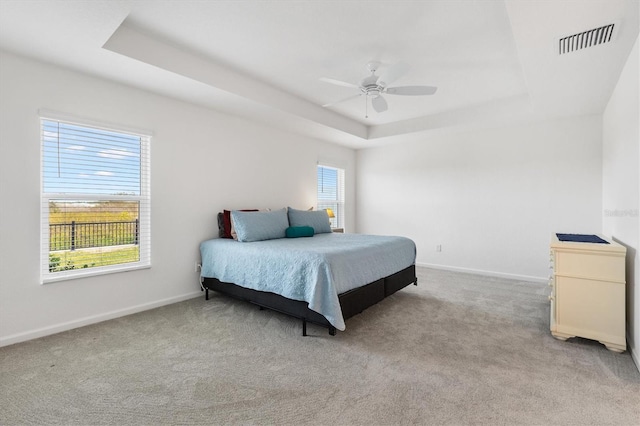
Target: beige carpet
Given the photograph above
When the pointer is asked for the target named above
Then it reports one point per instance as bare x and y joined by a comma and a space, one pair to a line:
457, 349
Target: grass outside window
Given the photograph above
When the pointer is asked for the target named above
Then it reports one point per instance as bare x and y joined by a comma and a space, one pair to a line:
65, 260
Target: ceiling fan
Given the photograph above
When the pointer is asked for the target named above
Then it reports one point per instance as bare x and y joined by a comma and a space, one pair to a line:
373, 86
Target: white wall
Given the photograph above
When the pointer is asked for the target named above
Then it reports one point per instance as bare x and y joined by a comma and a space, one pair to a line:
621, 184
490, 197
202, 161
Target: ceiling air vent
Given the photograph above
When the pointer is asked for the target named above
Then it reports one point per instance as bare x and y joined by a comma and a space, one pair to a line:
585, 39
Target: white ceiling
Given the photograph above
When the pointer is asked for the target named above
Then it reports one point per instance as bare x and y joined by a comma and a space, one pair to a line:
493, 62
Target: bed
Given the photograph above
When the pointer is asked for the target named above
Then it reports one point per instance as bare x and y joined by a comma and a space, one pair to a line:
323, 280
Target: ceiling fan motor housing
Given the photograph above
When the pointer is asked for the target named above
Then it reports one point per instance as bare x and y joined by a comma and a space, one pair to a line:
373, 66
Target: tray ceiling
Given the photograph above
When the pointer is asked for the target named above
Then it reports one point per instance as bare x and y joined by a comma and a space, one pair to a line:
493, 62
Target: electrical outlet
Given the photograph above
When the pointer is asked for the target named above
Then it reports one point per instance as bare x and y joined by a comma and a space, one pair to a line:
198, 266
439, 247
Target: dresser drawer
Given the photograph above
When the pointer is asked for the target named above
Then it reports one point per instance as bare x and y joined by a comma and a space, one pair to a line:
594, 265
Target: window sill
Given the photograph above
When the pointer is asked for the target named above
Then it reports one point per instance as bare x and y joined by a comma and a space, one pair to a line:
92, 272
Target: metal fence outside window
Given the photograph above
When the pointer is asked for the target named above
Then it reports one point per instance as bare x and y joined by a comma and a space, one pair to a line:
79, 235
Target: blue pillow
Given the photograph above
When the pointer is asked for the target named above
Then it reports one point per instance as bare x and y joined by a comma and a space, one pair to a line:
299, 231
259, 226
318, 220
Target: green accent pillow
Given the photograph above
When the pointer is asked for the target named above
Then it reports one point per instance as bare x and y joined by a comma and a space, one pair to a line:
299, 231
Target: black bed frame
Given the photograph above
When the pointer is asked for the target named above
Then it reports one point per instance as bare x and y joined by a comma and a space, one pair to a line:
352, 302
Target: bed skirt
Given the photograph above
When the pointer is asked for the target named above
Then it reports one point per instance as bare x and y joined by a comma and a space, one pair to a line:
352, 302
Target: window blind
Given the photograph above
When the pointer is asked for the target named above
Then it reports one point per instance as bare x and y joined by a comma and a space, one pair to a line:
331, 193
95, 205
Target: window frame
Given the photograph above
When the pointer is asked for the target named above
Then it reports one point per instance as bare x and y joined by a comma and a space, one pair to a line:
144, 200
340, 212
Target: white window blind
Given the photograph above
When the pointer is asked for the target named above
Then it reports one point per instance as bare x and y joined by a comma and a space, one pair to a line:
331, 193
95, 206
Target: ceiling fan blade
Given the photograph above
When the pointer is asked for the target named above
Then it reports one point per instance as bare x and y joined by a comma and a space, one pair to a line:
393, 73
342, 100
411, 90
339, 83
379, 104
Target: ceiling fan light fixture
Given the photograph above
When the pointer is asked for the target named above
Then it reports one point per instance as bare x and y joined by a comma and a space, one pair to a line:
373, 93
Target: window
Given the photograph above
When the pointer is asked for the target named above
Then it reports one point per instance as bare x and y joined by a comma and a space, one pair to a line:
331, 193
95, 215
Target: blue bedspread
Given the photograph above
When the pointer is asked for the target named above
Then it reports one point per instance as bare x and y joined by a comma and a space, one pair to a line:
314, 269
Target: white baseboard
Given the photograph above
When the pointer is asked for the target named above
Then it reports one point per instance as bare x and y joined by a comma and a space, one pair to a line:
57, 328
483, 272
632, 350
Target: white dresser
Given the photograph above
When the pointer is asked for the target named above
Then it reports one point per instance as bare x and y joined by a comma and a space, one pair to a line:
588, 291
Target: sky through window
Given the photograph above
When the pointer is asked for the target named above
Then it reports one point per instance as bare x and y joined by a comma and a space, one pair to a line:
85, 160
